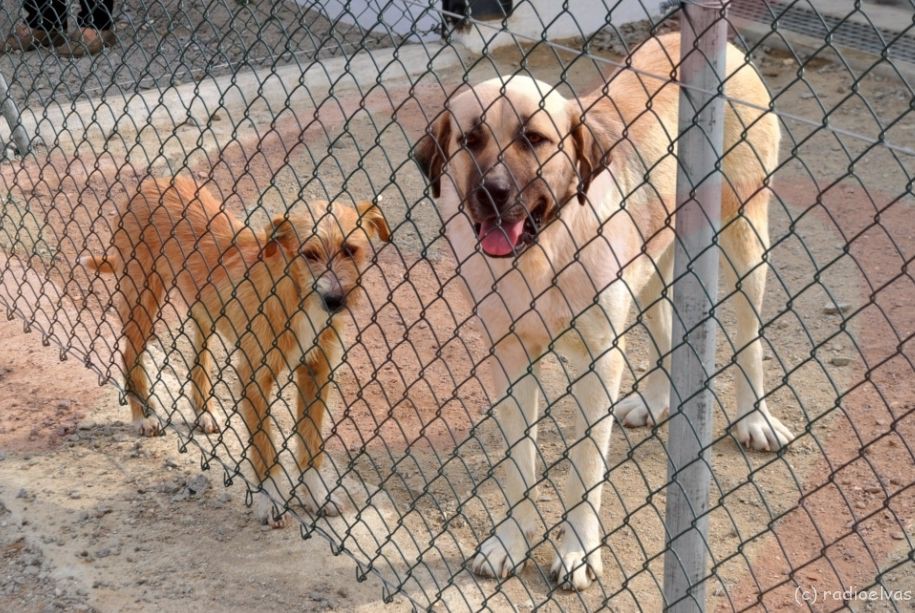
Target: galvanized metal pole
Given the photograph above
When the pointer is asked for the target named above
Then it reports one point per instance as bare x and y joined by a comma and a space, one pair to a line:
11, 113
703, 42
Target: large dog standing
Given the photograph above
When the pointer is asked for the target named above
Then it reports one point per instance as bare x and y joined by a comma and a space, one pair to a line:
274, 293
559, 212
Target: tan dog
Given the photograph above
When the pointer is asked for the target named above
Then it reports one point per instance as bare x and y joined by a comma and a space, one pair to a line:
273, 292
511, 162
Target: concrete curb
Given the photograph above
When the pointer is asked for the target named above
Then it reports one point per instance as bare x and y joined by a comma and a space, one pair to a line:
67, 125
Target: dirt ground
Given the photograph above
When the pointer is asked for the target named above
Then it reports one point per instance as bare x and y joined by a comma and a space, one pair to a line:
94, 518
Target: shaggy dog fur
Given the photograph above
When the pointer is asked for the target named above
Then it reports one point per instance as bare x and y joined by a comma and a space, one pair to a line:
274, 293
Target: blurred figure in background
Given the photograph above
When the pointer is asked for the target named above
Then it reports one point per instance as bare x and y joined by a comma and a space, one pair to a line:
46, 26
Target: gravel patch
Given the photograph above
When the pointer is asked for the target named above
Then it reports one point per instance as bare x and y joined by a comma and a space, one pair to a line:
178, 41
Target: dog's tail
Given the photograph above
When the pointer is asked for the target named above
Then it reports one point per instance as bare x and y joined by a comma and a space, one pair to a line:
104, 264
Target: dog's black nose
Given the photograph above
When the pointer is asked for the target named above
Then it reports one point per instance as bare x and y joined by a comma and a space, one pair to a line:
333, 302
498, 191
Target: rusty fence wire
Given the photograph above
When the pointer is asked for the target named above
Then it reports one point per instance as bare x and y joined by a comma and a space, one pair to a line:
439, 281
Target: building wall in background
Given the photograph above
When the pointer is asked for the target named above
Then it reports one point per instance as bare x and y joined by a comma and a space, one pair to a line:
578, 18
528, 20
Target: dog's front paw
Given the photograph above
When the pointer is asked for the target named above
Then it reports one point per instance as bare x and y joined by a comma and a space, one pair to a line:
637, 411
318, 501
574, 570
206, 423
147, 426
267, 513
762, 432
503, 554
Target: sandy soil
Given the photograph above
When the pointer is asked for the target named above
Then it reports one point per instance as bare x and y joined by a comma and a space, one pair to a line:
116, 522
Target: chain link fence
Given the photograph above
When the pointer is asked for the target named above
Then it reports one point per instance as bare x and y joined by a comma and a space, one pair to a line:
385, 243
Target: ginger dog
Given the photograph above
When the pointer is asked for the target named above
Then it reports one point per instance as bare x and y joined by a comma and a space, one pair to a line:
560, 211
275, 293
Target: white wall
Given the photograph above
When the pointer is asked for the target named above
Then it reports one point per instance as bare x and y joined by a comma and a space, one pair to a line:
531, 17
526, 22
397, 16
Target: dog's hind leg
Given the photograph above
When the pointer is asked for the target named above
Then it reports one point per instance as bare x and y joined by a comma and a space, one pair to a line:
201, 384
744, 244
313, 382
599, 367
138, 310
650, 402
516, 416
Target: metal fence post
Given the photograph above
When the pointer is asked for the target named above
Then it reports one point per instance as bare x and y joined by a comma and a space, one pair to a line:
701, 127
11, 112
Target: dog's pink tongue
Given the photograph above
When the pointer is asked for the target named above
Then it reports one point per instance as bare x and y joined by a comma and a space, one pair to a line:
500, 239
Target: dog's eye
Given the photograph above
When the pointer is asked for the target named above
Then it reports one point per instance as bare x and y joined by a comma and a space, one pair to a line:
350, 250
471, 140
311, 255
535, 138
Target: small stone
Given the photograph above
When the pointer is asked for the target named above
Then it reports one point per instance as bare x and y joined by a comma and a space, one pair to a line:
170, 487
85, 424
103, 509
74, 495
840, 360
169, 463
836, 308
898, 535
103, 552
873, 489
23, 493
198, 484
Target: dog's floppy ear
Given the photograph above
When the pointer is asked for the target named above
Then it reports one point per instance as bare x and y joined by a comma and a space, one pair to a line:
281, 233
593, 134
431, 152
373, 219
